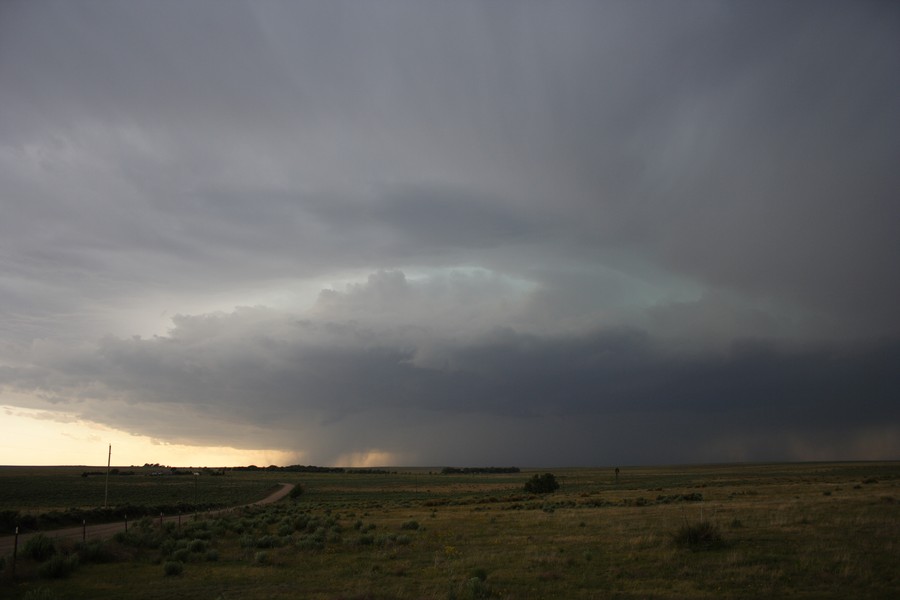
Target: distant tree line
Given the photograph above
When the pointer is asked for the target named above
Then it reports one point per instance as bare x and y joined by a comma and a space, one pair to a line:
103, 473
313, 469
478, 470
292, 469
272, 468
372, 472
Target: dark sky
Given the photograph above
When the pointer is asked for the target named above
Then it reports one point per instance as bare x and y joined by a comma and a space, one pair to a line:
495, 232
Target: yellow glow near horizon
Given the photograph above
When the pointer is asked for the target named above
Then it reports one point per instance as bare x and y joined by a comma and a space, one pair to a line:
39, 438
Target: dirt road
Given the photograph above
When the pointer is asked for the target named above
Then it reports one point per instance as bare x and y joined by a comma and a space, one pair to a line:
106, 530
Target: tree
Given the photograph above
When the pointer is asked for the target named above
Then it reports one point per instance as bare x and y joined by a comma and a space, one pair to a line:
542, 484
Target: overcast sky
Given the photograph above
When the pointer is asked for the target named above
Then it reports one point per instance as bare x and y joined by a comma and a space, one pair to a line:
465, 233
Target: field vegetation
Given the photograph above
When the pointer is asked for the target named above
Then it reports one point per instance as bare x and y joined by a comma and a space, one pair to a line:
36, 498
730, 531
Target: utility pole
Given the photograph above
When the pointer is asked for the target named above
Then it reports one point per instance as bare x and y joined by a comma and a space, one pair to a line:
106, 493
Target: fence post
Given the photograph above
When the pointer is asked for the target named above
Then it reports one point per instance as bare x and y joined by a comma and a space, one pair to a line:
15, 550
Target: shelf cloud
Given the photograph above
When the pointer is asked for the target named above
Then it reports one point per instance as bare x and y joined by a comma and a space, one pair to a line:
456, 233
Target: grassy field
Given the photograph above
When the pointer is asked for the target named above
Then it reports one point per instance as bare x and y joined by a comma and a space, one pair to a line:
41, 489
731, 531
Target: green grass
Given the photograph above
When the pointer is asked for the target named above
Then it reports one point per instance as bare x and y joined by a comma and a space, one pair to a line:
480, 536
43, 489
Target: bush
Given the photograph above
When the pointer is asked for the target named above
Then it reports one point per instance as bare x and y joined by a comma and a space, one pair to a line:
40, 594
181, 555
268, 541
173, 568
310, 544
296, 492
698, 536
39, 547
542, 484
410, 525
94, 551
476, 589
58, 566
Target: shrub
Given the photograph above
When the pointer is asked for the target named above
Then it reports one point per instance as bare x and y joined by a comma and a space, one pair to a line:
411, 525
542, 484
200, 534
197, 545
40, 594
168, 546
94, 551
261, 557
310, 544
58, 566
181, 555
698, 536
268, 541
212, 556
296, 492
39, 547
173, 568
475, 588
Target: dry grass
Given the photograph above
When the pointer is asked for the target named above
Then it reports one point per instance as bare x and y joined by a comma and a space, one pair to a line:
782, 537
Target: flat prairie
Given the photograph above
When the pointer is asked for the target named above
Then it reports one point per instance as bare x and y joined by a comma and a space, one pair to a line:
808, 530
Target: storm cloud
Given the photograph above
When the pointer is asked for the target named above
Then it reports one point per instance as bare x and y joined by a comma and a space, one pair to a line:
456, 233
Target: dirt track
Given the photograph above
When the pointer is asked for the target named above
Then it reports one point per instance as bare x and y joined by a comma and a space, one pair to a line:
106, 530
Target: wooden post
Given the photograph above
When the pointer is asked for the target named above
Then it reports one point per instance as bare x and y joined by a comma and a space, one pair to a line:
15, 550
106, 493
